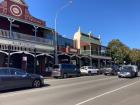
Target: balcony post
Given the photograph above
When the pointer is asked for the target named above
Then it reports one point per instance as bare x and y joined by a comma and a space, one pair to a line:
79, 62
35, 60
105, 63
11, 22
99, 63
9, 50
35, 27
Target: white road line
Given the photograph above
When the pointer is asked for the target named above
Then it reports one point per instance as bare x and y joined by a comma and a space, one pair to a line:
10, 94
106, 93
81, 78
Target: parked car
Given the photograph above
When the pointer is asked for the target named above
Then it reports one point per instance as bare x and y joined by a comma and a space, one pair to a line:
11, 78
101, 70
111, 71
89, 70
133, 68
65, 70
127, 71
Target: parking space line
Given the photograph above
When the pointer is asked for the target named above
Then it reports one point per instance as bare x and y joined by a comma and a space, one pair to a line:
106, 93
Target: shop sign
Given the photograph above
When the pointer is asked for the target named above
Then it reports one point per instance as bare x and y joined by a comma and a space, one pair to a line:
72, 50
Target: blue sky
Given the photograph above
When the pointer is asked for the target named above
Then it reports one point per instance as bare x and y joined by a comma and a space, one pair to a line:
110, 18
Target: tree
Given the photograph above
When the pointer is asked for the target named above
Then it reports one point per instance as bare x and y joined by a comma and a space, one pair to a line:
135, 56
119, 51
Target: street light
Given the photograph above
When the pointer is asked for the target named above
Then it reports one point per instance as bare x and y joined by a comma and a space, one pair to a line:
56, 16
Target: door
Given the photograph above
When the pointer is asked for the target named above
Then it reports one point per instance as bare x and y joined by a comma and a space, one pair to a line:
21, 78
6, 80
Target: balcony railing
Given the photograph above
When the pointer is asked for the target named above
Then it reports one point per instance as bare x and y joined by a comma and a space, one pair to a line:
95, 53
25, 37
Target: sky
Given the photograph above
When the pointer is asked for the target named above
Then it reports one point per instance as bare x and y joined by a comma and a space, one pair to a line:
112, 19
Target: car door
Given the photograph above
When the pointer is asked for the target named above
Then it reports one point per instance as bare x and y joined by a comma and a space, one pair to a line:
6, 79
84, 70
21, 78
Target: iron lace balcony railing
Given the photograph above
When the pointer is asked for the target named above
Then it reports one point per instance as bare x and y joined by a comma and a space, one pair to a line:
96, 53
25, 37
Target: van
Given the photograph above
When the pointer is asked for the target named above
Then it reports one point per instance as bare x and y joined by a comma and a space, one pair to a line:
65, 70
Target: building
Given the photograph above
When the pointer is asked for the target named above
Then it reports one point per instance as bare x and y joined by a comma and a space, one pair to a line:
66, 50
25, 41
91, 51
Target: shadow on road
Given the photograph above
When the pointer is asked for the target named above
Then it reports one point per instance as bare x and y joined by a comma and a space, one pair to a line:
22, 89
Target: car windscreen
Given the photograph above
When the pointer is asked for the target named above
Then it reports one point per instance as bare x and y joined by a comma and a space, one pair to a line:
90, 67
126, 69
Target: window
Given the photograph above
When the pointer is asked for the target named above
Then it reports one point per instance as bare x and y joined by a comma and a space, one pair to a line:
17, 72
20, 73
84, 47
4, 72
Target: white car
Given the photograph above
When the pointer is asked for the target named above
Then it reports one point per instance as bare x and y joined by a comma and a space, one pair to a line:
88, 70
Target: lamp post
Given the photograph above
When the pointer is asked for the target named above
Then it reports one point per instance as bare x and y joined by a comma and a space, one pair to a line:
90, 47
56, 16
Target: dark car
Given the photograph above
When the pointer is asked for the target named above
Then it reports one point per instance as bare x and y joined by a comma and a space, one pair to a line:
127, 72
65, 70
11, 78
111, 70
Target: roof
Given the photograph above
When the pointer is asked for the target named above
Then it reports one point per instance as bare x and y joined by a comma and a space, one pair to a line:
84, 34
22, 2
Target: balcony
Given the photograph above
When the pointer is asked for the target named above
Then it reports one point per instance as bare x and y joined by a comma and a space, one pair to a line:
94, 53
25, 37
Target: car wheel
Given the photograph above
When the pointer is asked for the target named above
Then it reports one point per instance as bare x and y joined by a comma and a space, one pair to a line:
119, 76
36, 84
89, 73
65, 75
98, 73
78, 75
136, 74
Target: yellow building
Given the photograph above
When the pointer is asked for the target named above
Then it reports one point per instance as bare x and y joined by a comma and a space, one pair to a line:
91, 50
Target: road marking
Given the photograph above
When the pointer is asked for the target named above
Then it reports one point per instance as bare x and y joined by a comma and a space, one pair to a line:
106, 93
10, 94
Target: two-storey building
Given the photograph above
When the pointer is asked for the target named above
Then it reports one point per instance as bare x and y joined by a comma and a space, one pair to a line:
25, 41
66, 50
91, 51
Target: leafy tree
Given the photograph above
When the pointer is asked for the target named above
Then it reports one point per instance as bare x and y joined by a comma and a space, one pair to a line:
135, 56
119, 51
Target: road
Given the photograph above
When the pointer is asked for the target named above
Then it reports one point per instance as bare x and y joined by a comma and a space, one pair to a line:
88, 90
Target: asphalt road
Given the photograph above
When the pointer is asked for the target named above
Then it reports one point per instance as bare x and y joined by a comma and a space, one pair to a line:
88, 90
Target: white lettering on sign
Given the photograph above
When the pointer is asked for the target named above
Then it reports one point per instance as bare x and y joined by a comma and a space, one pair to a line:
23, 44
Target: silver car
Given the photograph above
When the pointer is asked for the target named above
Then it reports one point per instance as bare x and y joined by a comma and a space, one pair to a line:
11, 78
126, 72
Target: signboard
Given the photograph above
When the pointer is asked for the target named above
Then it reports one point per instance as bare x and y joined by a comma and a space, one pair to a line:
26, 44
72, 50
17, 9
